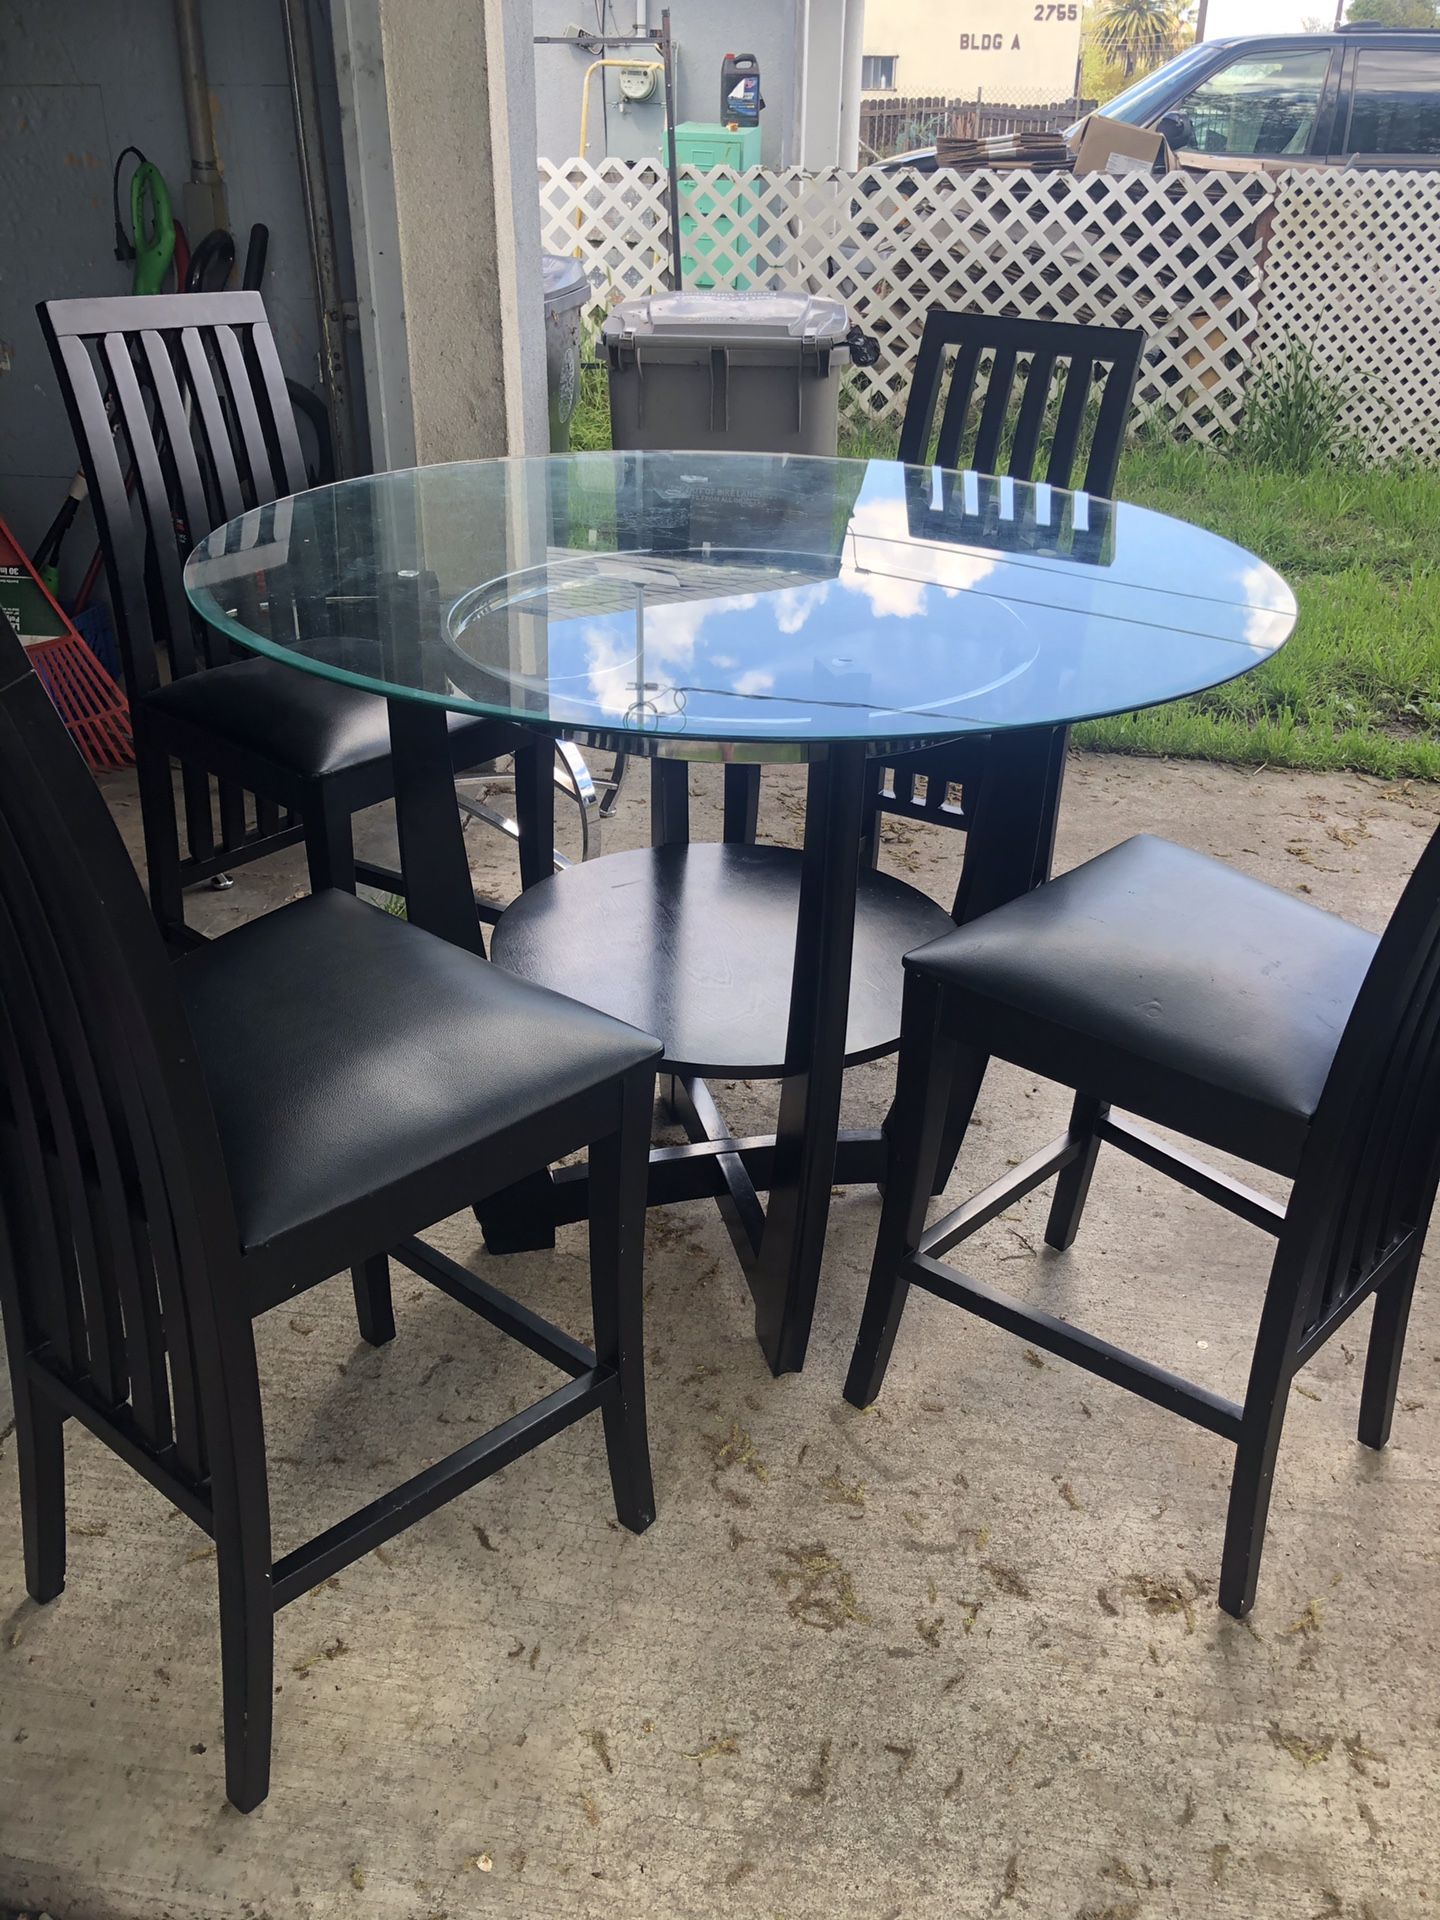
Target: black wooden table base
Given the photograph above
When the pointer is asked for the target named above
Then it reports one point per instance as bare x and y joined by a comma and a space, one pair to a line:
617, 933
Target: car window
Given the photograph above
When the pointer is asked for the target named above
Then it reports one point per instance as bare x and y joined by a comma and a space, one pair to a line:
1263, 103
1150, 95
1397, 102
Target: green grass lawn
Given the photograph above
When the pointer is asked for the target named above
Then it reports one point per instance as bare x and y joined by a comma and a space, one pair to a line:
1358, 685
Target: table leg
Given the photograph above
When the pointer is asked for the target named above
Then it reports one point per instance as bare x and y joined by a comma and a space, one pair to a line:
438, 895
669, 802
535, 809
787, 1271
1011, 842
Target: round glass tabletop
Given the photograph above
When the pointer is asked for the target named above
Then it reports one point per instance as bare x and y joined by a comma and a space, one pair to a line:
739, 597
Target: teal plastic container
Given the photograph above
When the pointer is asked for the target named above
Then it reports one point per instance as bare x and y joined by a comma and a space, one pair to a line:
716, 259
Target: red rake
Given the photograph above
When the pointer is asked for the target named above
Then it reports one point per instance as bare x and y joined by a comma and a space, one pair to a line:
86, 698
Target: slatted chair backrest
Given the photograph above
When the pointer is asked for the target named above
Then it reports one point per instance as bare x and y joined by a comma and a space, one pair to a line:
1368, 1176
1032, 351
182, 419
117, 1235
1006, 438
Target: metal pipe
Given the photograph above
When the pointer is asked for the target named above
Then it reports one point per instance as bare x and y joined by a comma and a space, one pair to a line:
320, 228
852, 43
647, 66
199, 121
672, 172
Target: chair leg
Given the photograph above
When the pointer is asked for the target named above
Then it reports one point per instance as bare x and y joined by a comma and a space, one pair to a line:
741, 813
613, 785
965, 1084
329, 843
247, 1670
1250, 1496
619, 1174
40, 1454
1382, 1357
1073, 1185
160, 828
374, 1308
870, 818
915, 1130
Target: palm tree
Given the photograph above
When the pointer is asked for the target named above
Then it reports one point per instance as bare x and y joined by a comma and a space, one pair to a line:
1139, 34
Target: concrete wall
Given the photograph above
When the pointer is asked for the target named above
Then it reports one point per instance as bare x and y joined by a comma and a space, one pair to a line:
82, 79
704, 33
968, 48
459, 98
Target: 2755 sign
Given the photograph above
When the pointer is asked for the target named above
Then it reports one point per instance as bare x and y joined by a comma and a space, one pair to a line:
1045, 10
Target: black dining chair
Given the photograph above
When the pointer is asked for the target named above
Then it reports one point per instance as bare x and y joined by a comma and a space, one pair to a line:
1158, 980
182, 419
186, 1144
1056, 405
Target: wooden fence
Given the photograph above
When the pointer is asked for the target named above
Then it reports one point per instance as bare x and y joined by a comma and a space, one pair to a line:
890, 123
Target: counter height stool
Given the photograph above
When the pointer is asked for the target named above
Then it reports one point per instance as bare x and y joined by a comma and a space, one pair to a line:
186, 1145
1166, 983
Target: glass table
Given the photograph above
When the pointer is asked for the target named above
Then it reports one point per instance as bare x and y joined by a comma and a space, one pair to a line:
742, 608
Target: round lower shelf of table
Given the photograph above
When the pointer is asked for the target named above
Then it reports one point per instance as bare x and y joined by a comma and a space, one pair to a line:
696, 944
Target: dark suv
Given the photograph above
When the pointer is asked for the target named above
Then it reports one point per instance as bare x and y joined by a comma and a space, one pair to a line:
1363, 96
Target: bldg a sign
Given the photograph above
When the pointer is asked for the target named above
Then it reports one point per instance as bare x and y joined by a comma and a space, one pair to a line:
1016, 51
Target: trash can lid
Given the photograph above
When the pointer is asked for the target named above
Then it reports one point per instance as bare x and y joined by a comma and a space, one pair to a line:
728, 318
566, 282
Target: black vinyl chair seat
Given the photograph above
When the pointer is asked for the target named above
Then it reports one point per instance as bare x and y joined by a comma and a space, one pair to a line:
311, 727
345, 1051
1187, 992
699, 947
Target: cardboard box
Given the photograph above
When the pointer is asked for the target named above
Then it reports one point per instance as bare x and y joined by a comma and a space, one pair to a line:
1185, 160
1110, 146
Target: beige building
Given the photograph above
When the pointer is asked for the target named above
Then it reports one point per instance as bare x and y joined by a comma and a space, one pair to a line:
1021, 52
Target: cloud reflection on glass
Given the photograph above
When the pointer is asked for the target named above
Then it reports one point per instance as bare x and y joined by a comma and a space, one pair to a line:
735, 597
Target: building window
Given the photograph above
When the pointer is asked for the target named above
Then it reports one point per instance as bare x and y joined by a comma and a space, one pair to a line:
877, 73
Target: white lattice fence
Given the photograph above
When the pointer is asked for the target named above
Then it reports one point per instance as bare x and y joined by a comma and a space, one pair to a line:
614, 216
1352, 256
1354, 270
1175, 257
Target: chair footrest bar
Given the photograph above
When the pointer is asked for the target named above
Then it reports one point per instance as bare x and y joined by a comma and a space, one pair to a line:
991, 1201
552, 1343
372, 1526
116, 1427
195, 870
1169, 1390
180, 939
1258, 1209
390, 880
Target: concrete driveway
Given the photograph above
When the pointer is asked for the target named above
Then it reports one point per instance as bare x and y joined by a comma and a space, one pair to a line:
957, 1656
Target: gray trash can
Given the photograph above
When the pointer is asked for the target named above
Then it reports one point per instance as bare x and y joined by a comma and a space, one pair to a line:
566, 291
744, 372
